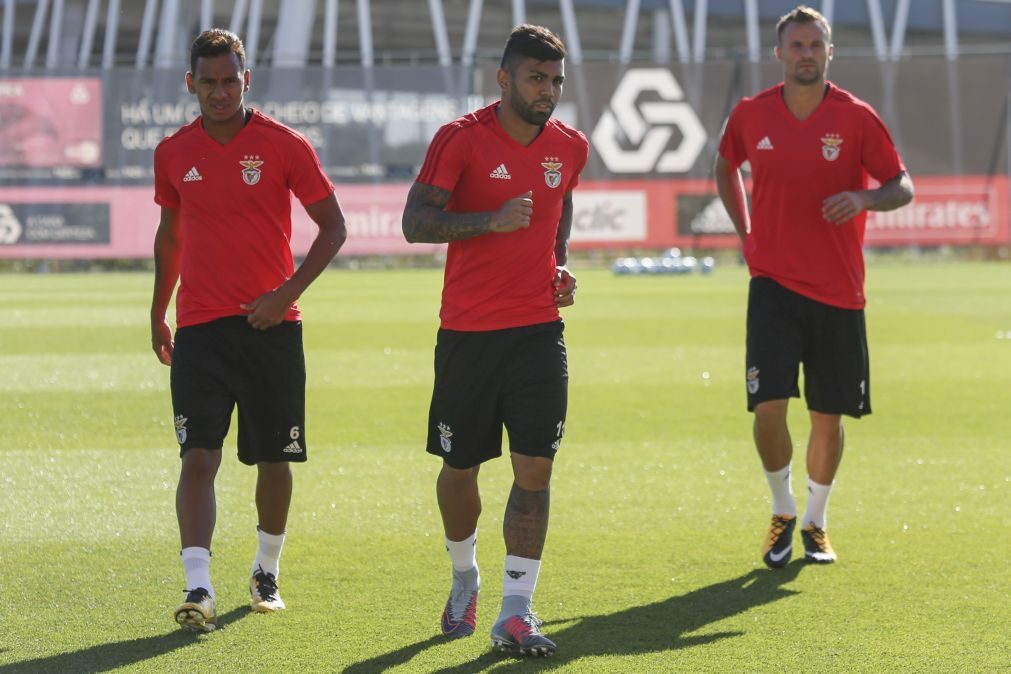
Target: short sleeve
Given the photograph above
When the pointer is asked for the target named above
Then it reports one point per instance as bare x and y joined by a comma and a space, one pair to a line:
878, 154
731, 145
165, 193
584, 153
447, 155
306, 179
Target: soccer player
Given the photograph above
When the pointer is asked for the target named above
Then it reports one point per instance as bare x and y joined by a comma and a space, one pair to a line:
811, 147
497, 185
224, 184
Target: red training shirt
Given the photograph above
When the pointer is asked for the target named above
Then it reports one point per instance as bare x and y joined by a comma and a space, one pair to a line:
496, 281
795, 165
234, 204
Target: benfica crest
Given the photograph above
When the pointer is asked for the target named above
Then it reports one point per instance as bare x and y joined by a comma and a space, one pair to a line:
251, 170
181, 428
445, 436
752, 380
830, 146
552, 174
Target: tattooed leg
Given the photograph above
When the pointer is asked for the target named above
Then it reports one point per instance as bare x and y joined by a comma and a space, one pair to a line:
526, 517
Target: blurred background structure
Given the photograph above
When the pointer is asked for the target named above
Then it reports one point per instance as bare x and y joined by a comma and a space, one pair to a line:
81, 34
89, 87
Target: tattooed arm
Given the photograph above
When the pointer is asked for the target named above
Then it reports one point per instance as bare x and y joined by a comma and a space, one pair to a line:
895, 193
426, 221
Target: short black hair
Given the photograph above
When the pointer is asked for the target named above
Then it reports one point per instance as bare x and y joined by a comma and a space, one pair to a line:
529, 41
215, 42
803, 14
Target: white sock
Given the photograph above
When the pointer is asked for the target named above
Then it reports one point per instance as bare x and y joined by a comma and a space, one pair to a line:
781, 485
197, 567
268, 554
463, 553
520, 577
817, 504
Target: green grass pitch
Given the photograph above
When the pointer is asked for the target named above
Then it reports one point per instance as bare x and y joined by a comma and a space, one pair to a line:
659, 505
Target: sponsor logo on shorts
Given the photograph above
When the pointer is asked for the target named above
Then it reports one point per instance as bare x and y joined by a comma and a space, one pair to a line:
292, 448
445, 434
752, 380
560, 431
181, 428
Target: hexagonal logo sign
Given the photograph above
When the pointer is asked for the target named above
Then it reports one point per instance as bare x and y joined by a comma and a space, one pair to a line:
648, 126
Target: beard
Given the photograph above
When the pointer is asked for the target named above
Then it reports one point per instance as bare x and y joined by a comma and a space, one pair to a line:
808, 76
527, 112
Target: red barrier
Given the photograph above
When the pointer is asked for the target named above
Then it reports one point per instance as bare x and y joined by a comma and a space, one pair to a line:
37, 222
968, 210
958, 211
119, 222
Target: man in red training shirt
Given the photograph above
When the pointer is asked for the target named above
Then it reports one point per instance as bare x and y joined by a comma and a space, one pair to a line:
811, 147
497, 185
224, 184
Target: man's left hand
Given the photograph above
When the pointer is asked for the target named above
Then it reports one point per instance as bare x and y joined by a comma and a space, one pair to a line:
267, 310
564, 287
842, 207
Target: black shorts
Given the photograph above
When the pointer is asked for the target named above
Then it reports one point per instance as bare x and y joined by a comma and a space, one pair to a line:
225, 362
786, 329
517, 377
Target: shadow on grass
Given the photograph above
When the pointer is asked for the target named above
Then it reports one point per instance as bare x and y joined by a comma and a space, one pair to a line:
381, 663
662, 626
121, 653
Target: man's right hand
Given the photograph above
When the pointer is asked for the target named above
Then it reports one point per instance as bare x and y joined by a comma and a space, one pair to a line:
161, 340
514, 214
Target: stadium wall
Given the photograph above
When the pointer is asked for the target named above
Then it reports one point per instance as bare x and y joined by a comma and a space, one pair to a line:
119, 222
76, 152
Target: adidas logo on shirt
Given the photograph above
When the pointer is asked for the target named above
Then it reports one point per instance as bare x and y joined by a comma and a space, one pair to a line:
764, 144
293, 448
192, 176
501, 173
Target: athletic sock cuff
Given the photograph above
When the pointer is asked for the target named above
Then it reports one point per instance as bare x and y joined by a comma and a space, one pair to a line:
195, 553
463, 553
